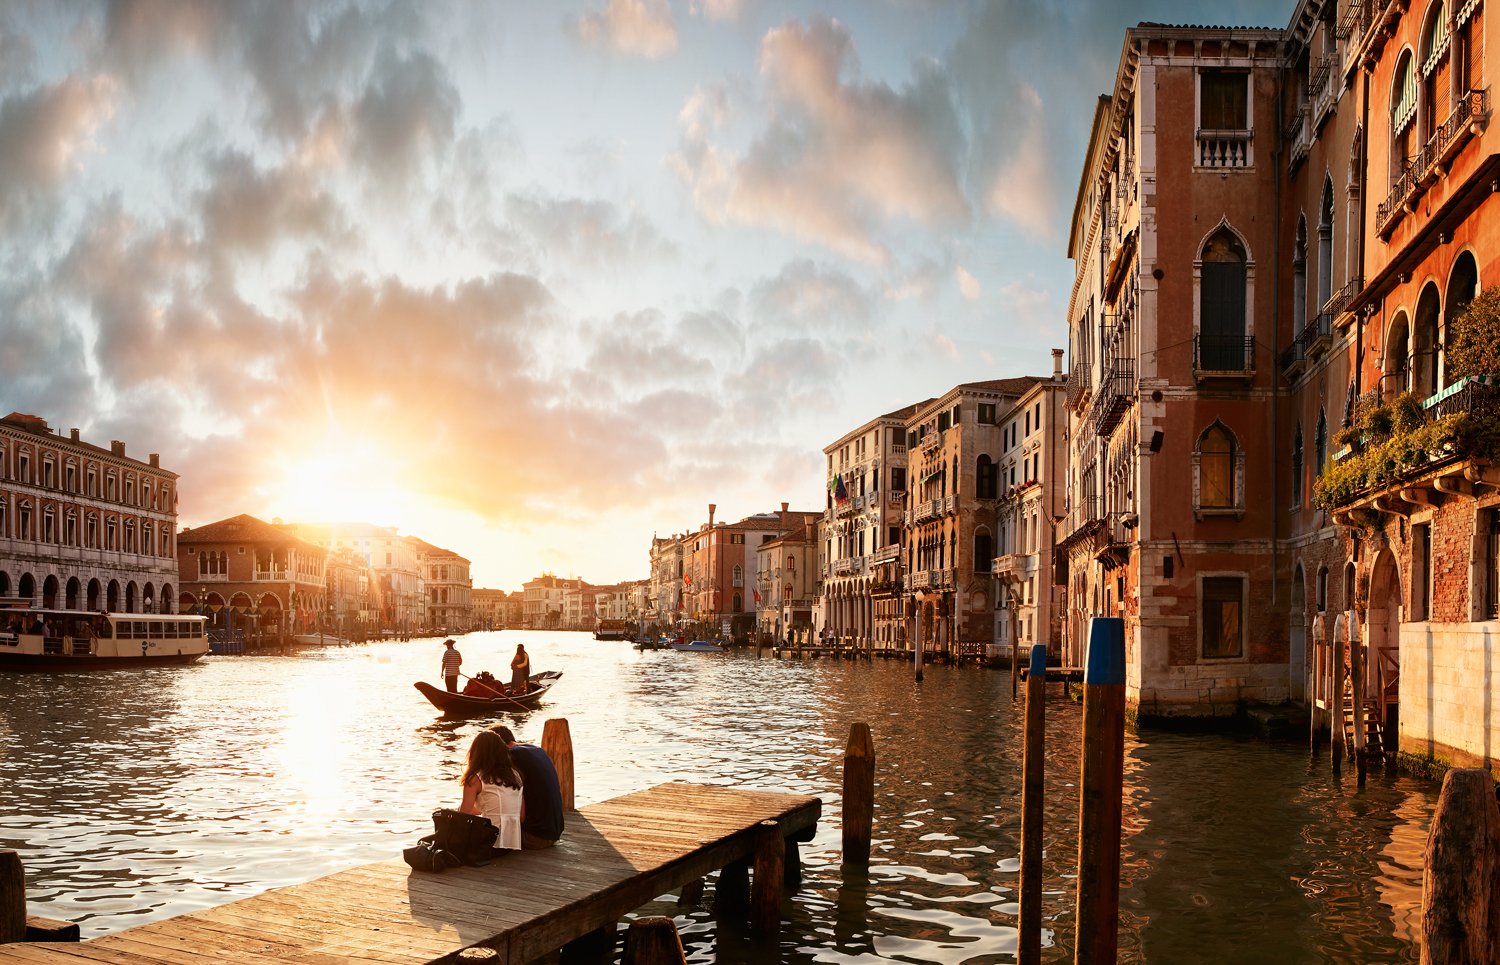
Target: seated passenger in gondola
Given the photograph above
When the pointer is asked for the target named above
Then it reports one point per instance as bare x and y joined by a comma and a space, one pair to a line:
483, 685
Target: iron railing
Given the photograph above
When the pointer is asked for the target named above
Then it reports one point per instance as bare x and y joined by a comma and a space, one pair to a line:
1224, 353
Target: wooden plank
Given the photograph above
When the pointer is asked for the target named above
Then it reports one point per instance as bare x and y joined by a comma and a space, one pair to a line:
614, 857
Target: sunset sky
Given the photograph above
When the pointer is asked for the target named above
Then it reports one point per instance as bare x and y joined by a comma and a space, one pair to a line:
533, 281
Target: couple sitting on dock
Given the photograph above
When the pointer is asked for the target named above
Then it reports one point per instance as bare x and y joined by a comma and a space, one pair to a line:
515, 787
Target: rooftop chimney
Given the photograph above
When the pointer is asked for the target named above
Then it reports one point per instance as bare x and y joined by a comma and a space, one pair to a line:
156, 460
783, 517
1057, 372
73, 434
117, 447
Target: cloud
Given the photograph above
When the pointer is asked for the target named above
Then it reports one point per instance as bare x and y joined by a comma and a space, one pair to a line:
718, 9
17, 56
42, 133
408, 112
588, 233
968, 285
640, 28
945, 346
246, 208
1024, 187
840, 159
805, 295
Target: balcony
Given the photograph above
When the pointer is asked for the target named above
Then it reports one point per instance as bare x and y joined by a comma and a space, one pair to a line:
895, 497
885, 554
950, 505
1113, 540
930, 441
1299, 136
924, 510
1225, 150
919, 580
1014, 567
1078, 384
1401, 472
1317, 335
1116, 392
1223, 357
1293, 358
1423, 169
1340, 305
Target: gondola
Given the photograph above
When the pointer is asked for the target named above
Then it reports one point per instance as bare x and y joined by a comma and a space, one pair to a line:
455, 704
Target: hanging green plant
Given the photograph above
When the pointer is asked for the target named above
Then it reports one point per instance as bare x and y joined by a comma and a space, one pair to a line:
1473, 339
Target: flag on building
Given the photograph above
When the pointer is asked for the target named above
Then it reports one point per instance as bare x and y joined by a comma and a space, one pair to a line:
839, 492
757, 597
687, 580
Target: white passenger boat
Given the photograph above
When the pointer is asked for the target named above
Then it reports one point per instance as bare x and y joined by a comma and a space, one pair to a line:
34, 638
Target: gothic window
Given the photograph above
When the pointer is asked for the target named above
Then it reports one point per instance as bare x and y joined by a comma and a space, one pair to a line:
1216, 488
1221, 305
1320, 443
984, 551
985, 478
1297, 468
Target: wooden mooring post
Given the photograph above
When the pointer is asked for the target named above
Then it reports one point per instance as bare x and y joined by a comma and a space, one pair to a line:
1357, 694
1336, 724
1032, 787
859, 794
653, 941
769, 883
1461, 877
557, 741
1101, 801
15, 924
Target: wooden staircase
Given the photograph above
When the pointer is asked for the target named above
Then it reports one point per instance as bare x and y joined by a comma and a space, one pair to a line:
1374, 720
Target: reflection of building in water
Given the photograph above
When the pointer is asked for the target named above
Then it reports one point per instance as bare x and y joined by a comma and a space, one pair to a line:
83, 527
1401, 861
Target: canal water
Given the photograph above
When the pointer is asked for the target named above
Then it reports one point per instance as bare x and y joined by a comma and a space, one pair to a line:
136, 795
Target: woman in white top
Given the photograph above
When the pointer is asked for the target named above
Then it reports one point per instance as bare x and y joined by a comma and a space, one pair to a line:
492, 788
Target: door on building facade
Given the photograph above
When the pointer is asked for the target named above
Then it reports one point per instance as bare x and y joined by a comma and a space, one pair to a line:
1297, 662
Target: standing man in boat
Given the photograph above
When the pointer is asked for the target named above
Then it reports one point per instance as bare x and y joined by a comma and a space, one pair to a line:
541, 794
520, 670
452, 660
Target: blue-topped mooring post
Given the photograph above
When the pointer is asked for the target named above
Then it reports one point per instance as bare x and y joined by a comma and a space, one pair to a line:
1033, 773
1101, 796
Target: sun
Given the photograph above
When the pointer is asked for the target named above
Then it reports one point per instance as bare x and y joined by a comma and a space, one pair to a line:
347, 481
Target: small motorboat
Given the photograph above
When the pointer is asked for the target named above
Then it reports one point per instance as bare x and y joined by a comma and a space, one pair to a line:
455, 704
698, 646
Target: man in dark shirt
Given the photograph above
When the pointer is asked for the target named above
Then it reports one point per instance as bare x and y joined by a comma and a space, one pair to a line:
541, 793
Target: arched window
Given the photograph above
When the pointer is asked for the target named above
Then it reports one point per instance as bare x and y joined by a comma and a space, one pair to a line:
1403, 113
739, 603
985, 478
739, 575
1436, 92
1397, 378
1216, 468
791, 562
1463, 285
984, 551
1299, 278
1320, 443
1468, 50
1221, 304
1297, 468
1426, 352
1325, 246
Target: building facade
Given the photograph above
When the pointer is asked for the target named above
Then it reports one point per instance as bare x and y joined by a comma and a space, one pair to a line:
447, 588
392, 557
862, 532
82, 526
247, 574
953, 457
1033, 465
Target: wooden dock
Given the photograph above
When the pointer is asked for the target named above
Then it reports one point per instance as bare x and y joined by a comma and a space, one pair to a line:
614, 857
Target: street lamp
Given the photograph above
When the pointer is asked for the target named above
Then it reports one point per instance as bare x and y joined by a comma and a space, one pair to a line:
146, 601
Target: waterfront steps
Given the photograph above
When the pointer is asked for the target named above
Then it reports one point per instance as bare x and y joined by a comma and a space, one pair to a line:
614, 857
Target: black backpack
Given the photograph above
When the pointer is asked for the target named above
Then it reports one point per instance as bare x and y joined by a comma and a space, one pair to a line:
457, 838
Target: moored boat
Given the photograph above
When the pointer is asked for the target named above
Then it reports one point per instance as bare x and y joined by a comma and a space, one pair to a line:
698, 646
319, 640
455, 704
612, 630
50, 639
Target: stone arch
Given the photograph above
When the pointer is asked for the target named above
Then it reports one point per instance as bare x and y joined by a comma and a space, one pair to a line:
1426, 350
50, 589
26, 587
93, 594
1463, 285
1397, 361
112, 596
1383, 614
70, 594
130, 597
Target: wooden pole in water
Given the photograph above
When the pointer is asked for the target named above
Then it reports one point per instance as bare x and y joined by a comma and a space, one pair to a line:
1032, 785
1100, 803
1357, 675
12, 897
1336, 722
917, 643
557, 741
653, 941
1320, 677
1461, 880
769, 882
859, 794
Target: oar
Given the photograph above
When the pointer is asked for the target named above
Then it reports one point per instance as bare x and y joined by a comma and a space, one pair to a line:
492, 690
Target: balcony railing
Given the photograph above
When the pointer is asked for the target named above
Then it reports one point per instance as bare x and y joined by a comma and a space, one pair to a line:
1221, 355
1422, 168
919, 580
1225, 149
885, 554
1293, 357
1317, 81
1341, 299
950, 505
1316, 335
1115, 394
1078, 382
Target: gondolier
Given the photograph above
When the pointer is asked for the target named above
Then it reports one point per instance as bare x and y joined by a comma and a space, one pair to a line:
452, 660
